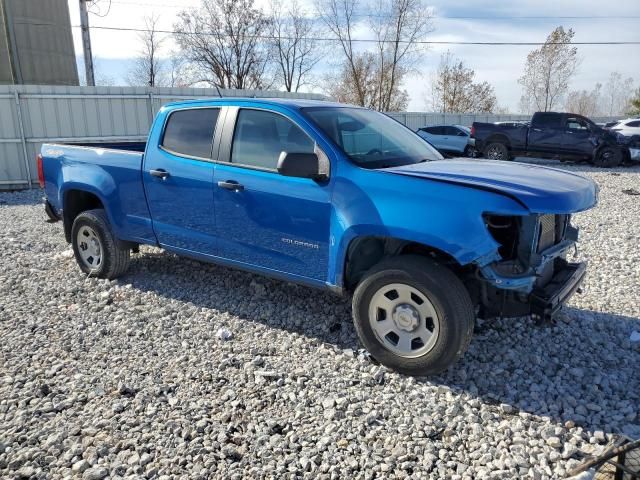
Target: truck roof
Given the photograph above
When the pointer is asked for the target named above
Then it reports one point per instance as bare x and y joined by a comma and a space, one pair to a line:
296, 103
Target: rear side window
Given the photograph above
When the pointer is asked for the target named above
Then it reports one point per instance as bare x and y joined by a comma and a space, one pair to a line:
190, 132
546, 120
451, 131
261, 136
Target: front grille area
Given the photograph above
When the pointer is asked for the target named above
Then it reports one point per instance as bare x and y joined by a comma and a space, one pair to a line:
548, 231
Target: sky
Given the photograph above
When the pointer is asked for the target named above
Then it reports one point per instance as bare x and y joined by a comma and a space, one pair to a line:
485, 21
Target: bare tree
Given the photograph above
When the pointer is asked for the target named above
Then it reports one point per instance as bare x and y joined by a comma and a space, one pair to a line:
584, 102
224, 41
398, 26
374, 79
343, 87
453, 89
339, 16
178, 71
296, 51
617, 93
148, 68
549, 68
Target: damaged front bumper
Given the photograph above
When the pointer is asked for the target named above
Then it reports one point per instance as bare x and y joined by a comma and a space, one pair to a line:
548, 300
540, 291
525, 282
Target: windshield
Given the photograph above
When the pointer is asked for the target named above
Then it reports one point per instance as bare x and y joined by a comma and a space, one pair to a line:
466, 129
371, 139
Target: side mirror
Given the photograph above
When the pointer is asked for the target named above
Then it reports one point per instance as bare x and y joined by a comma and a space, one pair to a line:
462, 134
302, 165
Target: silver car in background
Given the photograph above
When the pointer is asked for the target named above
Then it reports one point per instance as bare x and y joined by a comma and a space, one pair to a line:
449, 139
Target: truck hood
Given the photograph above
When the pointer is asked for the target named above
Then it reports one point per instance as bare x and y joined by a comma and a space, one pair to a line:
540, 189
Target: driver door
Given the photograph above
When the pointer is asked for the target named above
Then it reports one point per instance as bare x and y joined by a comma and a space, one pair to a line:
577, 136
265, 219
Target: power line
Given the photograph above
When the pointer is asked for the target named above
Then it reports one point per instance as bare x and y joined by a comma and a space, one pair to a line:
366, 40
444, 17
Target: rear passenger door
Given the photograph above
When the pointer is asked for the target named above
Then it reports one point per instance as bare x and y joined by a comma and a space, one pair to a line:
178, 181
433, 135
263, 219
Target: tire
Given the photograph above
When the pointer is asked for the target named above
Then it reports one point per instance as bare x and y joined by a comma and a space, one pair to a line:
470, 152
497, 151
96, 249
608, 157
447, 298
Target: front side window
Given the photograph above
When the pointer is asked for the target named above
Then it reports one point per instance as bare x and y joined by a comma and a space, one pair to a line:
634, 124
190, 132
574, 123
371, 139
260, 137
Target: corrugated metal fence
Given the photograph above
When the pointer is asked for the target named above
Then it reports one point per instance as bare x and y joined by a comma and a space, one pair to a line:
415, 120
32, 115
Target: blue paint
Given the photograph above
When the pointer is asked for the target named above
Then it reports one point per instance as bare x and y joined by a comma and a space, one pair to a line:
300, 229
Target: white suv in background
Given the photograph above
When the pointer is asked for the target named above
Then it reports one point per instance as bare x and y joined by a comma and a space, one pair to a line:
628, 127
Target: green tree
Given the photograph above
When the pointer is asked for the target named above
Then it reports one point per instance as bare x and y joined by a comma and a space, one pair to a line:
635, 103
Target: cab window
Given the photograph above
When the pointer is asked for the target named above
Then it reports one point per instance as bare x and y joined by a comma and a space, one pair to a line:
261, 136
575, 123
190, 132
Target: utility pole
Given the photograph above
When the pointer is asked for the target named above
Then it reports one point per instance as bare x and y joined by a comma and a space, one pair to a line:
86, 43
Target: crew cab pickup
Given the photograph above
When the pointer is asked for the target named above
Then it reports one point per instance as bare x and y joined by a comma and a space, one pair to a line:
551, 135
336, 197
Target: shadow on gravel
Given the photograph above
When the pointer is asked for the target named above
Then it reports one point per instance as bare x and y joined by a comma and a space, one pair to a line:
581, 369
21, 197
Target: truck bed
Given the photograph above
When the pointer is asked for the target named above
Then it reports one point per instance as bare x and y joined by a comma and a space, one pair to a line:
513, 135
126, 146
116, 171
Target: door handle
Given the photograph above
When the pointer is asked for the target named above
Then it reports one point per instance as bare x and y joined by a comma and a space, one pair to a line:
231, 185
160, 173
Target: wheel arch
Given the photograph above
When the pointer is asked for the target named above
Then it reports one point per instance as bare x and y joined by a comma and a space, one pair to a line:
365, 251
78, 199
498, 138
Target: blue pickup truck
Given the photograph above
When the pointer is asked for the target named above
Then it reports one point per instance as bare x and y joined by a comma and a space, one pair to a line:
336, 197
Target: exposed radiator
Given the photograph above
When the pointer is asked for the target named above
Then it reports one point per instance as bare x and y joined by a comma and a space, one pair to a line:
548, 230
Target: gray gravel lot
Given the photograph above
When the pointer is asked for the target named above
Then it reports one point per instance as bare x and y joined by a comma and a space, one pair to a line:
129, 378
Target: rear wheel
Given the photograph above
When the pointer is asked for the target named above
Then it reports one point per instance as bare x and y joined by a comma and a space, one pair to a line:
96, 249
497, 151
413, 315
608, 157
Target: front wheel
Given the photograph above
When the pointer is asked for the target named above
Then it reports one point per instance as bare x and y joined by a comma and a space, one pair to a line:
413, 315
471, 151
497, 151
96, 249
608, 157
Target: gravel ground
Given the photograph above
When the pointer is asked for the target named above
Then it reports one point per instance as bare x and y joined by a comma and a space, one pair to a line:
130, 378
